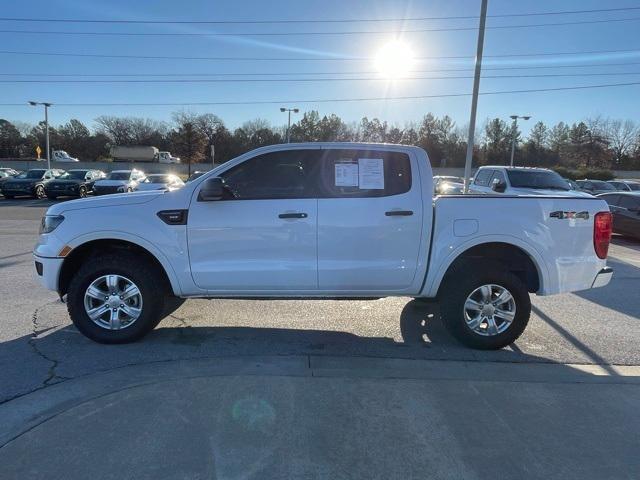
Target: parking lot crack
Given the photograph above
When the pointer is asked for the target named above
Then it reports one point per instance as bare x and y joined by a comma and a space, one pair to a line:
52, 375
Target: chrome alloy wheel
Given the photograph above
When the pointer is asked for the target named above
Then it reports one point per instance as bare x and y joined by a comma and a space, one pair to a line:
113, 302
489, 310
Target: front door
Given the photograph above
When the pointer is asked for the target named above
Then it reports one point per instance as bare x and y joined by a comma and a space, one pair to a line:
263, 235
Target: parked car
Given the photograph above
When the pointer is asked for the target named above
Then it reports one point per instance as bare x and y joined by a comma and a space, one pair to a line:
74, 183
159, 181
62, 156
352, 220
625, 208
594, 187
521, 181
30, 183
118, 181
196, 174
451, 188
625, 185
439, 182
4, 176
10, 171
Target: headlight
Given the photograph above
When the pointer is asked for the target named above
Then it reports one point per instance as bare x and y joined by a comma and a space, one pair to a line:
122, 189
50, 222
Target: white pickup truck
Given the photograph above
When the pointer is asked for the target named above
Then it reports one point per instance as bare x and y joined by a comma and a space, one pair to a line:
320, 220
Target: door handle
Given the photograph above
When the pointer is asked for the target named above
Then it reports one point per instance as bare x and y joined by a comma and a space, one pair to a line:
293, 215
399, 213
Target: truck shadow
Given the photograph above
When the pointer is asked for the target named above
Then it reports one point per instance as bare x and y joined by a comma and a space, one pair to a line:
621, 294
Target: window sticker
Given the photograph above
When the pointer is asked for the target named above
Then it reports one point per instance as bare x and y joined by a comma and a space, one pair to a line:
371, 173
346, 174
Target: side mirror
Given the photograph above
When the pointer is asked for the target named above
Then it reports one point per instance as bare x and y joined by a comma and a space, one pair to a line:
211, 190
498, 186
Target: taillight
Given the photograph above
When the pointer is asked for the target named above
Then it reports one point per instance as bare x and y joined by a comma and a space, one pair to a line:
602, 227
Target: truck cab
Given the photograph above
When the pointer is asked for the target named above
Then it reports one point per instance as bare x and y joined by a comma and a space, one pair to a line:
166, 157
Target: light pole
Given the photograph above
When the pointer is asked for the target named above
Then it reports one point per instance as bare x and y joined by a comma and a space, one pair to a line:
46, 124
294, 110
474, 96
514, 132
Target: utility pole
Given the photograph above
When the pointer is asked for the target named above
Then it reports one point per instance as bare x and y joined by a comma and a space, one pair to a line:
514, 133
46, 124
289, 110
474, 97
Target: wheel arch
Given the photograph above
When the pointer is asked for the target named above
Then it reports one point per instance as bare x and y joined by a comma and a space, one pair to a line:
83, 248
517, 257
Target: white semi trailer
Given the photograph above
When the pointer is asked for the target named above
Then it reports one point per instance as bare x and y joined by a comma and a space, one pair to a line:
139, 153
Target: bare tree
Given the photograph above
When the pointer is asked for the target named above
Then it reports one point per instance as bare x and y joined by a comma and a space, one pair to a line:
621, 136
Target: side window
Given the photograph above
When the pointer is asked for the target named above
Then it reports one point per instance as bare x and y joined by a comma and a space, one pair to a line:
628, 202
499, 175
286, 174
364, 173
611, 199
482, 177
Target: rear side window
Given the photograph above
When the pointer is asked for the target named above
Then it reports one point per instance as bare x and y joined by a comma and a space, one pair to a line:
363, 173
628, 202
286, 174
482, 177
497, 174
611, 199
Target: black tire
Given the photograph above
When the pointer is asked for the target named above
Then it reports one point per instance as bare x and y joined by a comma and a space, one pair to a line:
39, 192
82, 192
171, 304
460, 283
52, 197
142, 273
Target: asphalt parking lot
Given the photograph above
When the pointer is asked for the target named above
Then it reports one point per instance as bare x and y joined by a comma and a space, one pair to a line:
336, 389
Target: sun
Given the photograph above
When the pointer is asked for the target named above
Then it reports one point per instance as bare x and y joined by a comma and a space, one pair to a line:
395, 59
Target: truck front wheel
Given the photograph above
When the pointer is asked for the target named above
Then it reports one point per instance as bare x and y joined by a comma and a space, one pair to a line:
113, 298
484, 306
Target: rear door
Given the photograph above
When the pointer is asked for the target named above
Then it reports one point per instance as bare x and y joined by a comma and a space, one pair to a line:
370, 220
627, 215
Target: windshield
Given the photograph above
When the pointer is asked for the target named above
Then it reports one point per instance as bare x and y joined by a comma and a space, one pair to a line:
634, 186
32, 174
158, 179
537, 179
73, 175
119, 176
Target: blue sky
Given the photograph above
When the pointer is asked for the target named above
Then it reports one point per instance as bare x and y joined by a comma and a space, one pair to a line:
622, 102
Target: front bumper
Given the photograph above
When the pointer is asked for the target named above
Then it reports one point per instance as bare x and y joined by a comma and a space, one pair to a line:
62, 191
18, 191
603, 277
48, 271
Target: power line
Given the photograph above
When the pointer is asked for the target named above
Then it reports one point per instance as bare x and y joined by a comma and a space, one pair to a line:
281, 74
307, 80
283, 21
336, 100
311, 59
314, 33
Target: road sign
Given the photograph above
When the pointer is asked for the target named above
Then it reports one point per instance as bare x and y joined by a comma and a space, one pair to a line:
38, 151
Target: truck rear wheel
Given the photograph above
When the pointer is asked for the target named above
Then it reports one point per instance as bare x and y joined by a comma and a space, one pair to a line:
484, 306
115, 299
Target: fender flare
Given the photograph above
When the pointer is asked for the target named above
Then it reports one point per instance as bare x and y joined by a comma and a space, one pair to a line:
140, 242
432, 285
